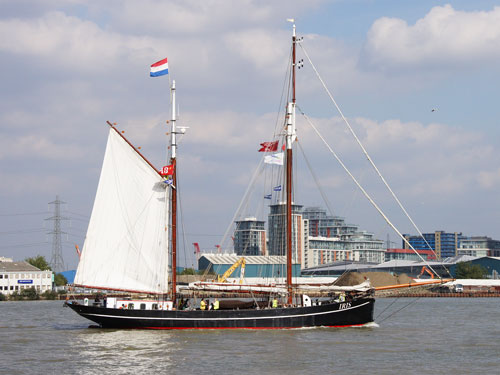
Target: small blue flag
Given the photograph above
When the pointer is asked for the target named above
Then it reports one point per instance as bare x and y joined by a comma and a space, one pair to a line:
277, 188
268, 196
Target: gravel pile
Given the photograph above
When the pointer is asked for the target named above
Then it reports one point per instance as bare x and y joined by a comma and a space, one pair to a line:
376, 279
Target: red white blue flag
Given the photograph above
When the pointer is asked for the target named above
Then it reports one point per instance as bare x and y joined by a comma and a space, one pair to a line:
159, 68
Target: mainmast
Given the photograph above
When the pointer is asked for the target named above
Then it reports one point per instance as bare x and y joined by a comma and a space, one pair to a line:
173, 147
290, 136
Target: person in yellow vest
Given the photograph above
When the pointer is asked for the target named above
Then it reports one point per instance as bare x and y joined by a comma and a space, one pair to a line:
342, 297
275, 303
202, 305
216, 304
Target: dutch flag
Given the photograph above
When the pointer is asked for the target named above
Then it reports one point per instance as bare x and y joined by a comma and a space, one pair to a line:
159, 68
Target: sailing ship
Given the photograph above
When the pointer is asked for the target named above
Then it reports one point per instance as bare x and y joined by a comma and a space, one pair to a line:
131, 246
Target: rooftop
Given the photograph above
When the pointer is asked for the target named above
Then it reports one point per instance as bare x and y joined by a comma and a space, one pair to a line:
249, 259
17, 267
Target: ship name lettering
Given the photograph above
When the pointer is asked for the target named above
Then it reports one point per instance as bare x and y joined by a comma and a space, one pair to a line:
344, 305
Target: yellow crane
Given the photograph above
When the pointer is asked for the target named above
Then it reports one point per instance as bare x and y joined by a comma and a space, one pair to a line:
229, 272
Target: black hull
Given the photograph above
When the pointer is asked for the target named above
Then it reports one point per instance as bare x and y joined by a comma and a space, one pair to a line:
344, 314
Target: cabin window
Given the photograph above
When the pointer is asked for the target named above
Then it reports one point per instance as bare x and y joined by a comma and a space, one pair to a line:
155, 306
130, 306
1, 276
143, 306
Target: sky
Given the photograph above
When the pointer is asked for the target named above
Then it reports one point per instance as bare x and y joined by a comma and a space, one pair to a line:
417, 81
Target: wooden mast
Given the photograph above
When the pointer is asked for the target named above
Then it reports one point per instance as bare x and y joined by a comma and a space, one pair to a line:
289, 165
173, 162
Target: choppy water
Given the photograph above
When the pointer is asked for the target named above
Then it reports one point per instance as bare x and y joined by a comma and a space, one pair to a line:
434, 335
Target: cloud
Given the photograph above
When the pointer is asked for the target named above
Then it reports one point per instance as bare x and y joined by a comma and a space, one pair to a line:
32, 181
443, 37
490, 179
71, 43
190, 16
260, 48
422, 159
36, 146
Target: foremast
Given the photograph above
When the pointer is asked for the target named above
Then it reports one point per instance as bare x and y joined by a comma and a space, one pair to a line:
173, 209
290, 137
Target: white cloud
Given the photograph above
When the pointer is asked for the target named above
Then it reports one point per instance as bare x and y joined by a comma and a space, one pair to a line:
443, 37
12, 147
190, 16
67, 71
261, 48
70, 42
422, 159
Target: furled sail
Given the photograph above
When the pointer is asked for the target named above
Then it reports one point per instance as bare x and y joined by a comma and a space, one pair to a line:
126, 243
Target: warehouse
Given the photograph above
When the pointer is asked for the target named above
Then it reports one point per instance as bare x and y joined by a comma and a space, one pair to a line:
255, 266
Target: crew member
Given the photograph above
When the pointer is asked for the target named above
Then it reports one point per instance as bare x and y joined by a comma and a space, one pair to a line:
275, 303
202, 305
216, 304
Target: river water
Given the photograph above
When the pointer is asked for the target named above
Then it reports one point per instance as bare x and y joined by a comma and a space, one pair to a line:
429, 335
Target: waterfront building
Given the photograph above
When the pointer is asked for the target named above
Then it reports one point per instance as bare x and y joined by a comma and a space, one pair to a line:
323, 225
445, 268
16, 276
408, 254
318, 238
444, 244
364, 247
479, 246
255, 266
250, 237
277, 231
323, 250
331, 239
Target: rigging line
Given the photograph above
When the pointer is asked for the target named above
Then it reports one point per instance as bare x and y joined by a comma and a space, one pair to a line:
365, 192
24, 231
23, 245
181, 212
366, 153
283, 89
323, 195
364, 150
26, 214
78, 219
404, 307
76, 213
203, 235
257, 172
384, 310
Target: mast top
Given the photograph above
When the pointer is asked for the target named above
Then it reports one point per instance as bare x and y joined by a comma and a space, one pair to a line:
292, 20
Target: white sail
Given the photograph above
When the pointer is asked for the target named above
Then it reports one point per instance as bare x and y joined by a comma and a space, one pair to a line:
126, 243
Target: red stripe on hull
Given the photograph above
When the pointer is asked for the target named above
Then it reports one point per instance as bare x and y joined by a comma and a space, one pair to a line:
170, 328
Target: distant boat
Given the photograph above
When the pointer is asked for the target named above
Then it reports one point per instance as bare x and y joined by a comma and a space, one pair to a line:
131, 246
